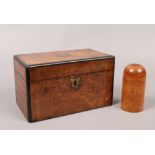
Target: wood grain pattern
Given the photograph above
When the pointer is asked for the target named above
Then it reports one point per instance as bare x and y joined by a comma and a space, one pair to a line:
133, 89
56, 97
19, 69
48, 72
20, 83
45, 90
49, 57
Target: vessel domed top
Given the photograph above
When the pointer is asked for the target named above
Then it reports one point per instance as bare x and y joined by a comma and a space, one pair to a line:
135, 69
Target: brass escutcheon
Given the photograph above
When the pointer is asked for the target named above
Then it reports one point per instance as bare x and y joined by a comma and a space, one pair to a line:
75, 81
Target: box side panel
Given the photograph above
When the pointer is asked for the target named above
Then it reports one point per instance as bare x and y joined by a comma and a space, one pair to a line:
19, 69
20, 84
56, 97
76, 68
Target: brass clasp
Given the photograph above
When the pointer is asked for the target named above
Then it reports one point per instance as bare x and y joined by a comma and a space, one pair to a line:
75, 81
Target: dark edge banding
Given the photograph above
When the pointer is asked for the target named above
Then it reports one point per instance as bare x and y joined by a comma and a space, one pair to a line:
113, 80
28, 95
27, 73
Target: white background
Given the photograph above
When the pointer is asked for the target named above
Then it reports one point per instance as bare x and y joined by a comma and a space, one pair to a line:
129, 44
78, 12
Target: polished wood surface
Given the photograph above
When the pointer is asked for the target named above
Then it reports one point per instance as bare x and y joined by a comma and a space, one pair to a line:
133, 89
19, 69
56, 97
47, 89
58, 56
63, 70
20, 83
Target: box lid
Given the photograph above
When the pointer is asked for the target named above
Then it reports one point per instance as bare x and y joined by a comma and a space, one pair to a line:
58, 57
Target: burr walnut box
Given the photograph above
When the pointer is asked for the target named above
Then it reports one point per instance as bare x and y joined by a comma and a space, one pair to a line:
52, 84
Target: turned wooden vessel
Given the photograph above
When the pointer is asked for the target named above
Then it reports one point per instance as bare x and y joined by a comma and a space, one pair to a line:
133, 88
52, 84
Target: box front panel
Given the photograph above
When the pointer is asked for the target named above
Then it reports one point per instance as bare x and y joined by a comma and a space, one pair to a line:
62, 70
67, 95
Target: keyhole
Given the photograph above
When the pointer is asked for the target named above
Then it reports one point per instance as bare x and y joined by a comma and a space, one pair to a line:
75, 82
